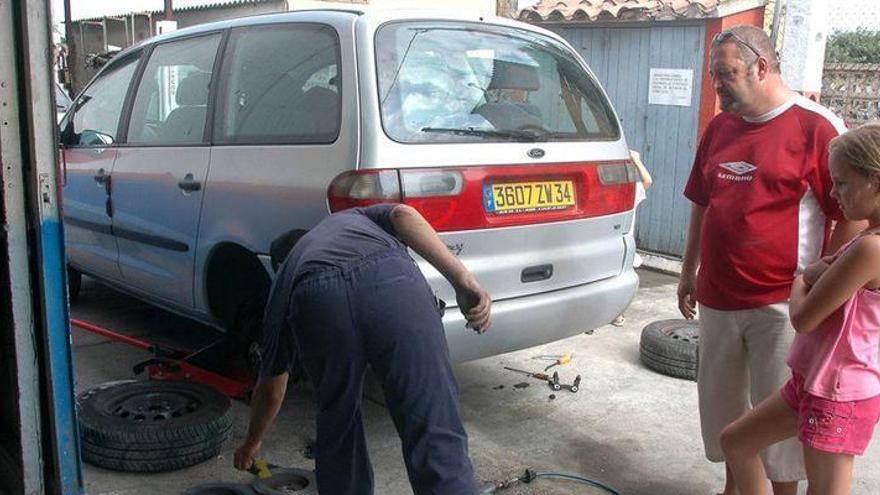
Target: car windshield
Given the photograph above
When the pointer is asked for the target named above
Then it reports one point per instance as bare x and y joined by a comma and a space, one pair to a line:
463, 82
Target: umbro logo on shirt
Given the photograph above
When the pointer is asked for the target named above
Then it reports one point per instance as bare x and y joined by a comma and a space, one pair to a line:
739, 169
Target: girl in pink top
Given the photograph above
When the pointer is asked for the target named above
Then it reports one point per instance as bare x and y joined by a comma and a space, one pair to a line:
832, 401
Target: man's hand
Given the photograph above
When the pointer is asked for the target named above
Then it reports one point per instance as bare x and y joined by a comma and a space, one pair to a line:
245, 455
687, 304
815, 270
474, 303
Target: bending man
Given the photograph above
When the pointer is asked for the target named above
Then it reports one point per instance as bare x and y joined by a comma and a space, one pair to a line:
349, 296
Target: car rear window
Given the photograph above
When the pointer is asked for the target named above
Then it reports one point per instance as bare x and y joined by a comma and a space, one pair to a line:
468, 82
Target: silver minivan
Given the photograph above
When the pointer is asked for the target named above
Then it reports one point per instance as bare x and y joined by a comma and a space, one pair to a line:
188, 155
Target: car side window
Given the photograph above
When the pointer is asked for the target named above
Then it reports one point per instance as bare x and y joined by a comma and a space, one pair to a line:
95, 117
170, 106
279, 84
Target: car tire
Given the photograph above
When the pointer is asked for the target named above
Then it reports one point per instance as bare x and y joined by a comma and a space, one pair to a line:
220, 489
287, 480
74, 284
152, 426
671, 347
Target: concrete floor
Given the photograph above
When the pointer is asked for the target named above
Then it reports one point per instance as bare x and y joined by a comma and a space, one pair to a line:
628, 427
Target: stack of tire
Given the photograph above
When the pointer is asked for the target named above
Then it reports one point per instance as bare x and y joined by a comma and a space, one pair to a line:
671, 347
152, 426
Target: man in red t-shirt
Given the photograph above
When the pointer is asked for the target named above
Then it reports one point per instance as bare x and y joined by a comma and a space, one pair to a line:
761, 212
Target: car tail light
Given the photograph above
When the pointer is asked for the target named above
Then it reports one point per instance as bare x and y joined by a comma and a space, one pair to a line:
452, 199
363, 188
617, 173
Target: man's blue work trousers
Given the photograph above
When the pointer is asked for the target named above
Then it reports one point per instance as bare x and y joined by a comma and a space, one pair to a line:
380, 311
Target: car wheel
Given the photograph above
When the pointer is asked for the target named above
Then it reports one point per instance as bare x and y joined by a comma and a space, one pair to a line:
247, 331
220, 489
74, 284
671, 347
152, 426
284, 481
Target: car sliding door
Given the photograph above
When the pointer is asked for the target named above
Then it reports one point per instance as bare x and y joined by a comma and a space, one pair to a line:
160, 173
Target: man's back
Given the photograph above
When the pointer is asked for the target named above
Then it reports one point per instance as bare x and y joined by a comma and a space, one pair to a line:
344, 237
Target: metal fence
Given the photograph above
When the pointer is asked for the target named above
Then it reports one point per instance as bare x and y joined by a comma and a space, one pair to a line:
852, 91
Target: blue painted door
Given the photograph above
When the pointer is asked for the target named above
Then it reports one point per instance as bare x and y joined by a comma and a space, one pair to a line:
622, 58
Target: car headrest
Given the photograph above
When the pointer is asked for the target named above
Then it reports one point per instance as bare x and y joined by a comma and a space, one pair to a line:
511, 75
193, 89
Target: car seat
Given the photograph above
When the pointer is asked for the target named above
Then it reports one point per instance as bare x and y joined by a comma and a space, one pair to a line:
186, 123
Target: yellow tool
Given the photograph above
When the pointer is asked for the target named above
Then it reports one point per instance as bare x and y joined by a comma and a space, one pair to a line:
261, 469
562, 360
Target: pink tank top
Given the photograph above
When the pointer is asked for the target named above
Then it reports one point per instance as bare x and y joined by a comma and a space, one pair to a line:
838, 360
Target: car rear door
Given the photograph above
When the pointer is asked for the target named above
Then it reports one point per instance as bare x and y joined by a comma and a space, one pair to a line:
160, 173
89, 138
509, 147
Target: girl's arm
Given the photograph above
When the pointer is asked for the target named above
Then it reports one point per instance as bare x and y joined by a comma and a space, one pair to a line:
859, 265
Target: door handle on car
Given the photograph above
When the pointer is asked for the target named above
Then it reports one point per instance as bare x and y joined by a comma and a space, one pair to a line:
536, 273
102, 177
188, 184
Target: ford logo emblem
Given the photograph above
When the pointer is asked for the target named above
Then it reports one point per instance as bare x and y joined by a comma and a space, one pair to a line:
536, 153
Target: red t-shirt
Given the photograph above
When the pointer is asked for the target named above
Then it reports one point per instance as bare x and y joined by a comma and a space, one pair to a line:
766, 188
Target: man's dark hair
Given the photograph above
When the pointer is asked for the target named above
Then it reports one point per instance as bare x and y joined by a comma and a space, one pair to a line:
282, 246
752, 42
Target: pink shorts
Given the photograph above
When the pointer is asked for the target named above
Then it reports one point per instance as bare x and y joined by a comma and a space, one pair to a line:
831, 426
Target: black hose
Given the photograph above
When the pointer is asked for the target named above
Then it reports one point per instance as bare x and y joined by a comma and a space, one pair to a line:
531, 475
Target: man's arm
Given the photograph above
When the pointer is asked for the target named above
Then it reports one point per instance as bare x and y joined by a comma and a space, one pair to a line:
417, 233
844, 230
265, 402
687, 304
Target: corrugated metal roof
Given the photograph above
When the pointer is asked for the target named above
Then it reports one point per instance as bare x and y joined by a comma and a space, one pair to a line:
179, 6
624, 10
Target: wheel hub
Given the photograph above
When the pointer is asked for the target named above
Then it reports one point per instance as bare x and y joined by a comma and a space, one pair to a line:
684, 333
153, 407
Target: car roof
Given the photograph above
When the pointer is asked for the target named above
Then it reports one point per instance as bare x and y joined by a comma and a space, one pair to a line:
374, 17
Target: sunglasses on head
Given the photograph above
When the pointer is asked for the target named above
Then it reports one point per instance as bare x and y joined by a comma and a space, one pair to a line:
731, 35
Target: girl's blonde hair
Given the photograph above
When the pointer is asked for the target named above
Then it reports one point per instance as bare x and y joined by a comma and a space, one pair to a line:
859, 148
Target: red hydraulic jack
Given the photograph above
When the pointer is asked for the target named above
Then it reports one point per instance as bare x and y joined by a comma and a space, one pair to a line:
210, 365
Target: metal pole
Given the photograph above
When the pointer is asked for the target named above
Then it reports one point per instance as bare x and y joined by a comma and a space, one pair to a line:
46, 261
777, 16
71, 49
12, 195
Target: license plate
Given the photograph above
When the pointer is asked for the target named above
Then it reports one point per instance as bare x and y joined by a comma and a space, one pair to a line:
525, 197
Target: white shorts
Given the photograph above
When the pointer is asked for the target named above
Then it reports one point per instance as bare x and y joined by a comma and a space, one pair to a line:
741, 362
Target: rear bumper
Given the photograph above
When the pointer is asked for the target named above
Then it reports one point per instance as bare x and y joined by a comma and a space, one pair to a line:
528, 321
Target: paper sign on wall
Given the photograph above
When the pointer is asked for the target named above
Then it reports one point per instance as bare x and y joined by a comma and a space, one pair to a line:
671, 87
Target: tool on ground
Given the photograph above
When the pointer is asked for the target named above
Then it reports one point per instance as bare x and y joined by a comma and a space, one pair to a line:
558, 361
552, 381
261, 469
538, 375
213, 364
575, 386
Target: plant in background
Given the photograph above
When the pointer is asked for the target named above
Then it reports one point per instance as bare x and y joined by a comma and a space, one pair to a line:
860, 46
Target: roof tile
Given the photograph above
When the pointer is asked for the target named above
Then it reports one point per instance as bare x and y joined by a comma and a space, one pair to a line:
618, 10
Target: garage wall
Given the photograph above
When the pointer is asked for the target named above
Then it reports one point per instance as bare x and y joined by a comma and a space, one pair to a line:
622, 56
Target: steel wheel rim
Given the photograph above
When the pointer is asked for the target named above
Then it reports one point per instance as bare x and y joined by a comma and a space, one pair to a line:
157, 407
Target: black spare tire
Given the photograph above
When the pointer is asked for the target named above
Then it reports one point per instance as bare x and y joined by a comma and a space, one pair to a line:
152, 426
671, 347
